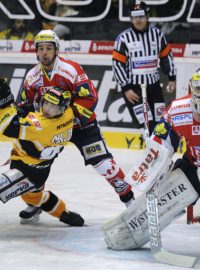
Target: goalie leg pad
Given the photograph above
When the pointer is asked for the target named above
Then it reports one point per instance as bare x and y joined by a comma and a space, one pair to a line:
118, 235
12, 184
155, 164
130, 229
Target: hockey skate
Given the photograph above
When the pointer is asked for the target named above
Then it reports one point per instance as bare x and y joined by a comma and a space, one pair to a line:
30, 215
128, 199
72, 219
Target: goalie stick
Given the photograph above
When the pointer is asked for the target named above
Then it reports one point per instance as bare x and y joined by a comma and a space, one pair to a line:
157, 250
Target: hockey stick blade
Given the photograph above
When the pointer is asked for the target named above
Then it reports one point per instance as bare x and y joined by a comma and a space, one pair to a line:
160, 254
167, 257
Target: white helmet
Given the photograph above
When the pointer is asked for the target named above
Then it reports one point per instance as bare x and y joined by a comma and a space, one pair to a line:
47, 36
195, 88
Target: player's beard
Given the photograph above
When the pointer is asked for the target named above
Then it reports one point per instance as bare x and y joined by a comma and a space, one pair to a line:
47, 62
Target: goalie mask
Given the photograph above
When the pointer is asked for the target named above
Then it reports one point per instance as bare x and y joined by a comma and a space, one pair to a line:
55, 102
195, 89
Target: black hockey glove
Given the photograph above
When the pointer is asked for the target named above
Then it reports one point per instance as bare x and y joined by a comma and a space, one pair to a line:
23, 109
6, 97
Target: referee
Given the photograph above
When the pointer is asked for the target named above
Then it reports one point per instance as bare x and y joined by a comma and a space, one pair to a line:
136, 56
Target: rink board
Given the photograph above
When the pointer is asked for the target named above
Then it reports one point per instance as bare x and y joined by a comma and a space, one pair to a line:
130, 140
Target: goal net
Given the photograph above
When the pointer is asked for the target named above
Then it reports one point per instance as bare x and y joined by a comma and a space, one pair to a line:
193, 213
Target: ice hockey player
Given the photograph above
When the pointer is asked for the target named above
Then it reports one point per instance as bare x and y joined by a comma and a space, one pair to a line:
37, 142
53, 70
178, 187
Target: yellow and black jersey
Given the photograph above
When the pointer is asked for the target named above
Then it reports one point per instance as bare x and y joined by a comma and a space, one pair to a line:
34, 132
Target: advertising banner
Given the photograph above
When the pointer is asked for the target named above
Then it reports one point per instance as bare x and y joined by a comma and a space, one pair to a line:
111, 110
113, 116
92, 47
95, 10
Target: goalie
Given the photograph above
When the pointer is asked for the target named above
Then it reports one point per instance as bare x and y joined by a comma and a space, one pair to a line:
179, 184
38, 139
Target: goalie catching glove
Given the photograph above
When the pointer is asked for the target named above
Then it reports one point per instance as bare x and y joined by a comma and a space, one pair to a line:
6, 97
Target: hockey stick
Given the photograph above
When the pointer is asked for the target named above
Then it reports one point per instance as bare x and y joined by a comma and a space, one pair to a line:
145, 109
157, 250
160, 254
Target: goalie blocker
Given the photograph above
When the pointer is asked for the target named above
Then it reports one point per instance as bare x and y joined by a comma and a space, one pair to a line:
129, 230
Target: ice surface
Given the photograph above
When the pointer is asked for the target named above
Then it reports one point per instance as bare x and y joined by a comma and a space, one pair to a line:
52, 245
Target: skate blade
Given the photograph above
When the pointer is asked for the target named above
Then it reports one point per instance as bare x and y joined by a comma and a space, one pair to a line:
34, 220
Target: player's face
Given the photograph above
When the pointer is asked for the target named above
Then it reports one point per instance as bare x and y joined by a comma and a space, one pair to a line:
196, 103
46, 53
139, 22
50, 110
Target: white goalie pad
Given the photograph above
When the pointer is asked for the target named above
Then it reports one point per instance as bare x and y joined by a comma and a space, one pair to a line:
130, 229
153, 166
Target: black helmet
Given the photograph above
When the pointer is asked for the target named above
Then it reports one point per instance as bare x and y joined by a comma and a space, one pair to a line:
58, 96
136, 6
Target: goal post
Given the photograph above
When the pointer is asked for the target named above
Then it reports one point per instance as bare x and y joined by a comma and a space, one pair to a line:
193, 213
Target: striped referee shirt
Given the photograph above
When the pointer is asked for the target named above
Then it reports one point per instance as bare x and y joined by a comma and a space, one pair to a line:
136, 57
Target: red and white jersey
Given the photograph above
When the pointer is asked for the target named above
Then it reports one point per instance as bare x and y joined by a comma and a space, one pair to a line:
69, 76
179, 115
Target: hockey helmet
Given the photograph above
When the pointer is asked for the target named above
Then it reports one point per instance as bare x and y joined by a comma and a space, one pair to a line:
58, 96
139, 8
46, 36
195, 90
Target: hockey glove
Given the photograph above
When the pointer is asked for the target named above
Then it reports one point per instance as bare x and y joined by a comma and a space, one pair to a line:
24, 108
6, 97
51, 152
